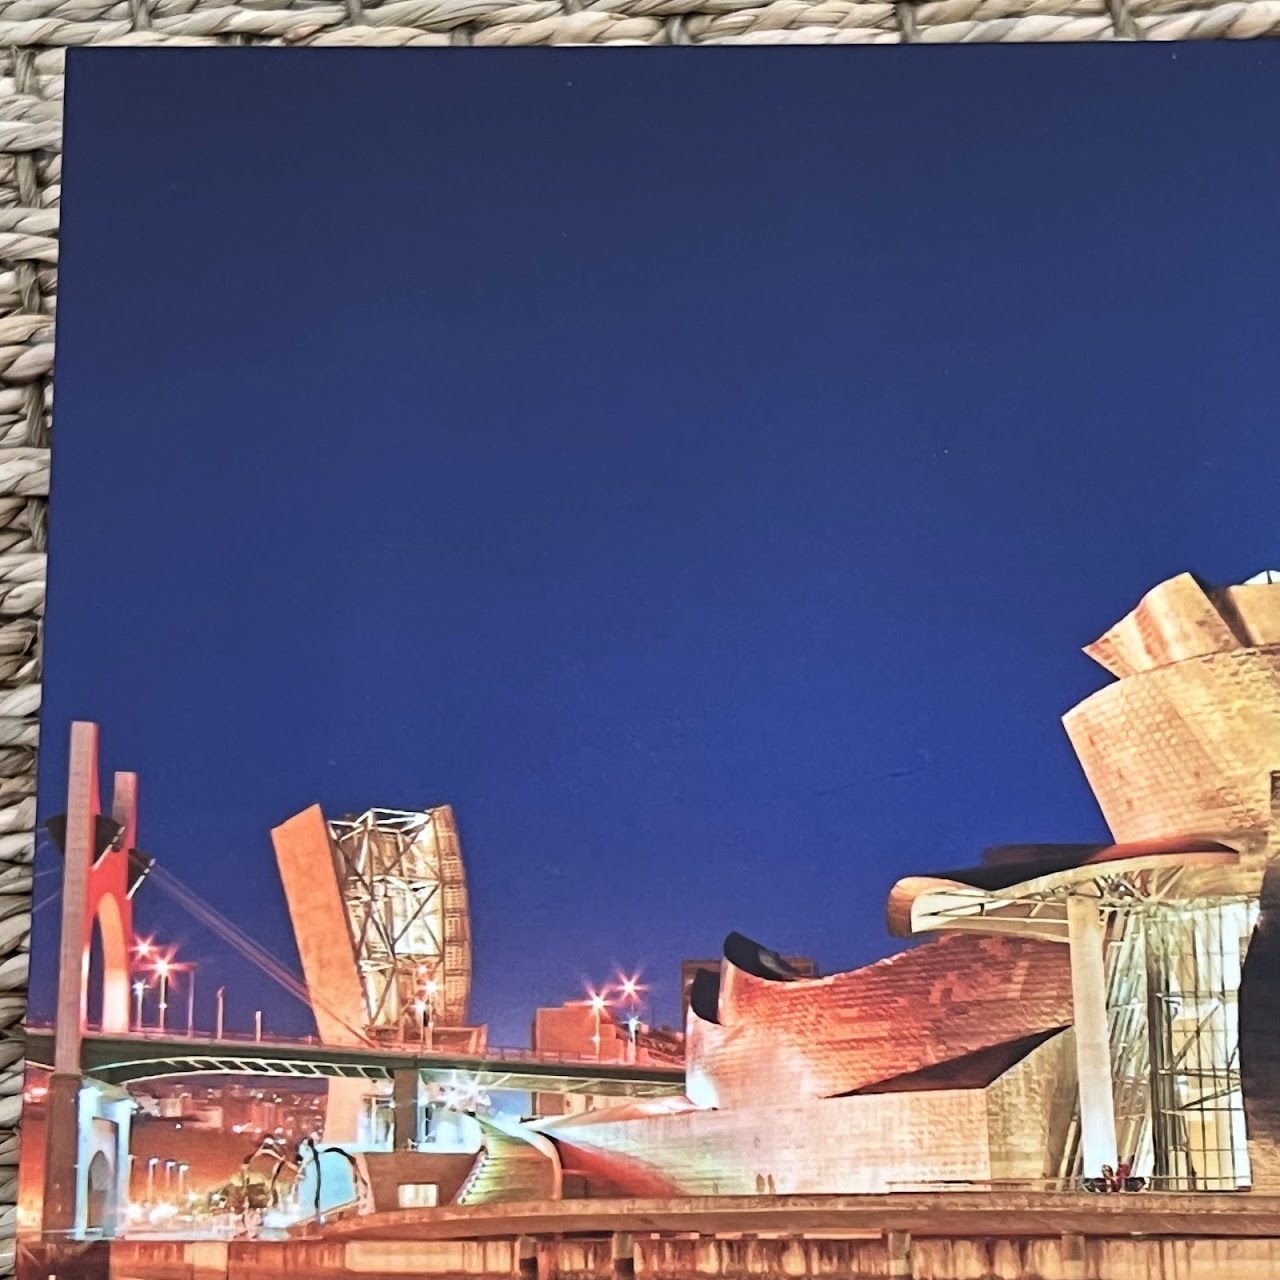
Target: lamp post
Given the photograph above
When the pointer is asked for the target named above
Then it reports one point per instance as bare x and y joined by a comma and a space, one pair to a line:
599, 1003
139, 990
257, 1024
221, 994
169, 1166
631, 992
151, 1178
163, 968
191, 1000
182, 1180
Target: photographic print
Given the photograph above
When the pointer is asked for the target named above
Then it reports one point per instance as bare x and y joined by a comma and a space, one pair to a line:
660, 666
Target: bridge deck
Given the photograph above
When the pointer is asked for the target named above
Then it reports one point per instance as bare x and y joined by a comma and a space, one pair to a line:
120, 1060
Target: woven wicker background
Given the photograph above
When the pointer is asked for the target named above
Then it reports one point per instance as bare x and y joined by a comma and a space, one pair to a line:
34, 35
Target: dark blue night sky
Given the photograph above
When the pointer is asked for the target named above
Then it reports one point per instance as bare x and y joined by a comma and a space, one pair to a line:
702, 469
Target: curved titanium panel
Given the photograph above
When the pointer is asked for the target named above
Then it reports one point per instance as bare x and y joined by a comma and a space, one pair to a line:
757, 960
704, 996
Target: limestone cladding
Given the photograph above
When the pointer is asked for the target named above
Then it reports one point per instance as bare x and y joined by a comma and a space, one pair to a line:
819, 1038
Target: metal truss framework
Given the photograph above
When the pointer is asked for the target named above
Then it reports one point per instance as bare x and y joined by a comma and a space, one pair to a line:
1173, 978
1173, 983
402, 884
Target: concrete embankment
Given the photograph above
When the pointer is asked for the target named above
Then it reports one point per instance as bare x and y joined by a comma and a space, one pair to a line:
622, 1257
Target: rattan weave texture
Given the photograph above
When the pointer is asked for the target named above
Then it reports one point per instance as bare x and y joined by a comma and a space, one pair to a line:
34, 36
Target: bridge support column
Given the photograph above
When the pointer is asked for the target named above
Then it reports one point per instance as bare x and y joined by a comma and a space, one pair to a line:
61, 1156
62, 1208
86, 1177
344, 1111
1073, 1251
624, 1256
1087, 936
527, 1258
897, 1245
406, 1108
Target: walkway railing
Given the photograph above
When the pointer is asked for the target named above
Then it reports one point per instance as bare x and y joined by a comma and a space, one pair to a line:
392, 1048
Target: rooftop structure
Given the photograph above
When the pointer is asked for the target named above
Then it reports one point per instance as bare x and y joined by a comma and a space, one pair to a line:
380, 914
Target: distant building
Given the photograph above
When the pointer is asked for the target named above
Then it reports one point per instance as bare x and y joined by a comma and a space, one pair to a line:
570, 1031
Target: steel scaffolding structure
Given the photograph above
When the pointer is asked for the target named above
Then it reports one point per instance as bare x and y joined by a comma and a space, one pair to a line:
1173, 979
402, 885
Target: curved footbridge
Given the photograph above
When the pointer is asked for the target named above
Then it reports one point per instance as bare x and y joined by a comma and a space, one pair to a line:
127, 1059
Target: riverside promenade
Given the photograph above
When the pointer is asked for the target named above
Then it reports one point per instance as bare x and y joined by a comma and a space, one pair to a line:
922, 1236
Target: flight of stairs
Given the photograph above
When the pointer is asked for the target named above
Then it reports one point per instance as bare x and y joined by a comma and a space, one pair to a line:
508, 1170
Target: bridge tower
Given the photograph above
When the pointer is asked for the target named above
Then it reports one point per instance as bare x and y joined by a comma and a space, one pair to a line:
87, 1124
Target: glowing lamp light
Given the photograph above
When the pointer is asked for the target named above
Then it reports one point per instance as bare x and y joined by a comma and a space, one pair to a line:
163, 966
598, 1002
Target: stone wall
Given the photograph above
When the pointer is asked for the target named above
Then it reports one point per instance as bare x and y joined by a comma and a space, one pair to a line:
389, 1170
704, 1258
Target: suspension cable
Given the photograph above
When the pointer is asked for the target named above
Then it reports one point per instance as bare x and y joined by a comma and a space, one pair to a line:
240, 941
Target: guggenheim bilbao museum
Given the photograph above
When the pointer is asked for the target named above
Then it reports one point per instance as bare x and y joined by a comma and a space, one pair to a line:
1074, 1006
1077, 1006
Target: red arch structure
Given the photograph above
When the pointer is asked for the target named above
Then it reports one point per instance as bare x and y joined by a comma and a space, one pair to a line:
108, 843
102, 870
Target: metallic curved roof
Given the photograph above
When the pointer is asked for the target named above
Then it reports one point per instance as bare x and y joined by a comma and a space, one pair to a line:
1021, 888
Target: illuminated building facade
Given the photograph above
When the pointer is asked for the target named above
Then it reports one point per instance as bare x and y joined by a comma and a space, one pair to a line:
1080, 1005
379, 910
381, 918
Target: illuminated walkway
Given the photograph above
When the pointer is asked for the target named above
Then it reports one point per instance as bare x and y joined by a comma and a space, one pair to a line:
121, 1060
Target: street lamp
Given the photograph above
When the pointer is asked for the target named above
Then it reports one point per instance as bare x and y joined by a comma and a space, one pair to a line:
191, 999
221, 994
163, 969
599, 1003
139, 990
631, 992
151, 1178
182, 1179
